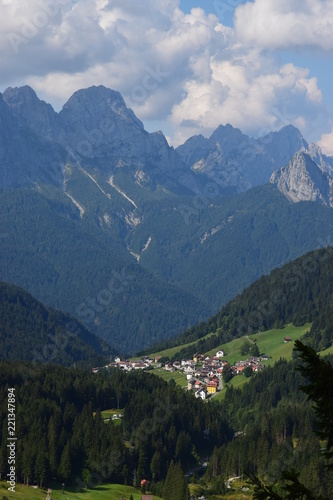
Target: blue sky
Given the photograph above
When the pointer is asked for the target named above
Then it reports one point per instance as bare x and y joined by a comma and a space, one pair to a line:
224, 9
183, 66
318, 62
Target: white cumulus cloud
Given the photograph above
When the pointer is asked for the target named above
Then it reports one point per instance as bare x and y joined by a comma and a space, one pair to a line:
286, 24
326, 143
187, 71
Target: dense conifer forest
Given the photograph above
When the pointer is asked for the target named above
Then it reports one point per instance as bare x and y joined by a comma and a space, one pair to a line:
164, 432
61, 432
30, 331
62, 436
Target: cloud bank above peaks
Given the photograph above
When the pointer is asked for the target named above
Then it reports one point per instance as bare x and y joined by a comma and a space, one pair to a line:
187, 72
286, 24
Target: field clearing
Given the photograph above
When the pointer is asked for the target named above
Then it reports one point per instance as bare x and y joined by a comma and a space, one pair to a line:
108, 415
236, 382
102, 492
327, 351
270, 342
178, 377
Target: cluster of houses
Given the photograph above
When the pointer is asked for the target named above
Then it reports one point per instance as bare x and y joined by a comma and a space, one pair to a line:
128, 365
203, 373
252, 361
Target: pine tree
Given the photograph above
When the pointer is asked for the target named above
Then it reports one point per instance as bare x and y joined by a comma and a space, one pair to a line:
183, 448
143, 468
227, 373
41, 466
156, 465
168, 484
85, 477
65, 469
53, 448
254, 350
175, 486
27, 464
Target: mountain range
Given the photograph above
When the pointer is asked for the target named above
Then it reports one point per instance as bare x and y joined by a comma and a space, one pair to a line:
139, 240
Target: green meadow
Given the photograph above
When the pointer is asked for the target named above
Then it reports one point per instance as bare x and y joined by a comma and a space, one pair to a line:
178, 377
102, 492
173, 350
270, 343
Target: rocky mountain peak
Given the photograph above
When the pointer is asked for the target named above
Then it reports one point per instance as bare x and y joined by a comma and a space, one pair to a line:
283, 144
238, 160
303, 180
226, 135
94, 104
29, 110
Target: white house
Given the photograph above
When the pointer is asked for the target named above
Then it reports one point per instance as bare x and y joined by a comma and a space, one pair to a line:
220, 354
201, 394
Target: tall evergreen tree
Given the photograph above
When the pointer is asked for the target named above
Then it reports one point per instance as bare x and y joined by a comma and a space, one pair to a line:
41, 465
175, 486
156, 465
27, 464
65, 469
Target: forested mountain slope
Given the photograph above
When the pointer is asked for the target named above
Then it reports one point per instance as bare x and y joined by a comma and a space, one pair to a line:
29, 331
300, 292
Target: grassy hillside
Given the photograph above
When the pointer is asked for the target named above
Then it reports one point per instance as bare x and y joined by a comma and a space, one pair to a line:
170, 353
267, 341
101, 492
300, 292
270, 343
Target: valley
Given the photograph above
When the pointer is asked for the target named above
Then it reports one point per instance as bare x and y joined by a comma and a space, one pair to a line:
151, 299
113, 198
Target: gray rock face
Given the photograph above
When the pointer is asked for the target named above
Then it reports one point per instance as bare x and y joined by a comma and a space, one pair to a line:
237, 160
282, 145
95, 128
26, 158
29, 110
303, 180
324, 162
